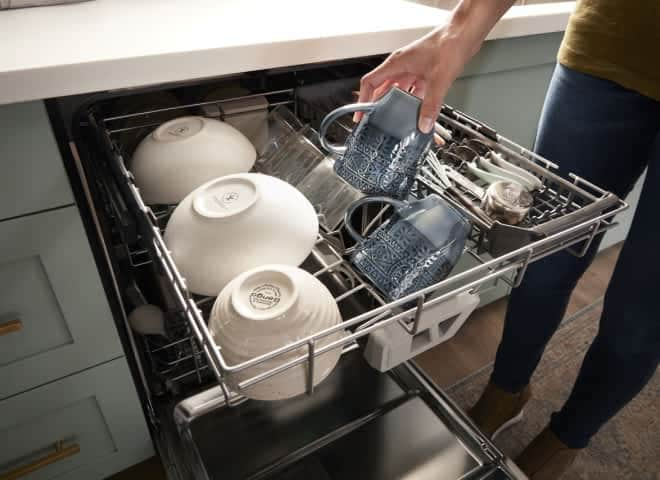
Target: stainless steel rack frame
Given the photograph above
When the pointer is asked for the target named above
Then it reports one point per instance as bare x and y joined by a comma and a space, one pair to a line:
587, 211
562, 203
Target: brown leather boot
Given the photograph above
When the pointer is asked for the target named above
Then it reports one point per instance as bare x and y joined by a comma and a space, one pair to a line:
498, 410
546, 458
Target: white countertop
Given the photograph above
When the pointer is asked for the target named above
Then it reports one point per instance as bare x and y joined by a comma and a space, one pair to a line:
109, 44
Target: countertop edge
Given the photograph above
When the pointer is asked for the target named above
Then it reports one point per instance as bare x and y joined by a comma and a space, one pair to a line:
136, 71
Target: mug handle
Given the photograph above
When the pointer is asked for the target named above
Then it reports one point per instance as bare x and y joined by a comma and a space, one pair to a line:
363, 201
334, 115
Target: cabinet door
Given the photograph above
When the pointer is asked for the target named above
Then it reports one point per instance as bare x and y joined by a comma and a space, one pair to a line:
54, 316
33, 176
96, 417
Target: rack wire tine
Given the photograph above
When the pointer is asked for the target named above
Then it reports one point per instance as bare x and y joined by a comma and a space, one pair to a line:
418, 315
310, 366
522, 270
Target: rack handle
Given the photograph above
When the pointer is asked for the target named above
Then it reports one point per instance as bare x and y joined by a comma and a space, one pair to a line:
10, 327
61, 452
363, 201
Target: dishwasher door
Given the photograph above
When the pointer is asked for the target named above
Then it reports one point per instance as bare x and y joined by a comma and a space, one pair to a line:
359, 423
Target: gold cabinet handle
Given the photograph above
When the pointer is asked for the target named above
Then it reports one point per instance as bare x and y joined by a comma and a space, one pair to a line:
61, 452
10, 327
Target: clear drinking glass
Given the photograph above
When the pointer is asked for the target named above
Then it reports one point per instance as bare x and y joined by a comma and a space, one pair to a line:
274, 132
328, 193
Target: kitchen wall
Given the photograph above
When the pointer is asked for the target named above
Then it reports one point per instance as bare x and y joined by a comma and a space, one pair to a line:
505, 83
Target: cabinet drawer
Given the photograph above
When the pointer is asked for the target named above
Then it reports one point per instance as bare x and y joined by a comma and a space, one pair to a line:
54, 316
96, 415
33, 176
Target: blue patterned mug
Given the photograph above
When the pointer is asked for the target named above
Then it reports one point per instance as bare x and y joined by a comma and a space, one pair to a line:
382, 154
416, 247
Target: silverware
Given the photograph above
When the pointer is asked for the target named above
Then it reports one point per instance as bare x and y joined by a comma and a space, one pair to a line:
508, 202
466, 183
485, 175
442, 182
442, 132
533, 183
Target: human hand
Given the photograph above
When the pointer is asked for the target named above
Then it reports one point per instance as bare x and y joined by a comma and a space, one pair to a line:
426, 68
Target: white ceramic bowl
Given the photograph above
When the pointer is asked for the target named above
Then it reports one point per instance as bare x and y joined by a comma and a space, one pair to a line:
235, 223
182, 154
269, 307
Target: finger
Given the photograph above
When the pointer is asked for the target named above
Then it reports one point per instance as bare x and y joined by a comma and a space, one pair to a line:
383, 89
373, 79
403, 81
419, 88
431, 103
375, 94
366, 90
389, 69
439, 141
406, 82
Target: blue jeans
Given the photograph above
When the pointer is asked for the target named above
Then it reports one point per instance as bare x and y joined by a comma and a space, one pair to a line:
608, 135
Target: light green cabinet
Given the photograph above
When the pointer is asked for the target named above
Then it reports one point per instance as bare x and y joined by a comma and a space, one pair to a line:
509, 101
92, 413
51, 286
33, 176
504, 85
63, 372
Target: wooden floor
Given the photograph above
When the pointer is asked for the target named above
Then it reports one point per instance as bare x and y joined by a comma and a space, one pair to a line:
472, 348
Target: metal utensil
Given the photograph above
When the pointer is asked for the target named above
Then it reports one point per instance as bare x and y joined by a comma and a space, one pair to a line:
442, 182
507, 202
498, 159
465, 182
514, 177
444, 133
485, 175
476, 144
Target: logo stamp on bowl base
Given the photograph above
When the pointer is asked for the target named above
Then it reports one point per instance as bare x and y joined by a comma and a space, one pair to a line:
265, 297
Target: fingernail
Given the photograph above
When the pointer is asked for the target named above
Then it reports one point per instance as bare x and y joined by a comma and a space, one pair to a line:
426, 124
356, 117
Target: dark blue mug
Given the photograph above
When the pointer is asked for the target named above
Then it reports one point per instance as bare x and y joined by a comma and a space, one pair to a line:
416, 247
383, 152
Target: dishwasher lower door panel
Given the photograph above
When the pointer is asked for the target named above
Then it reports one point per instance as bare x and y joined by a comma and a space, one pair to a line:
359, 423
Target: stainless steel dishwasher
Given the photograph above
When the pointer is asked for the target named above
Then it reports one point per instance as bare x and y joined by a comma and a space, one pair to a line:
360, 422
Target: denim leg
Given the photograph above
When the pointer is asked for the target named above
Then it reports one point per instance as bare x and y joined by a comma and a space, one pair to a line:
626, 350
604, 133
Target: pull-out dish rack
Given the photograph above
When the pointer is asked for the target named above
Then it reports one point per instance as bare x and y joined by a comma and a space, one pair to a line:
568, 214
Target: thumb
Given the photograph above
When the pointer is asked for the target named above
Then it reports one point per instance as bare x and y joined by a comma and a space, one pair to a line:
431, 104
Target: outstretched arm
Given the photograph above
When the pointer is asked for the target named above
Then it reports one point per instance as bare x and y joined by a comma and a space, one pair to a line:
428, 66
